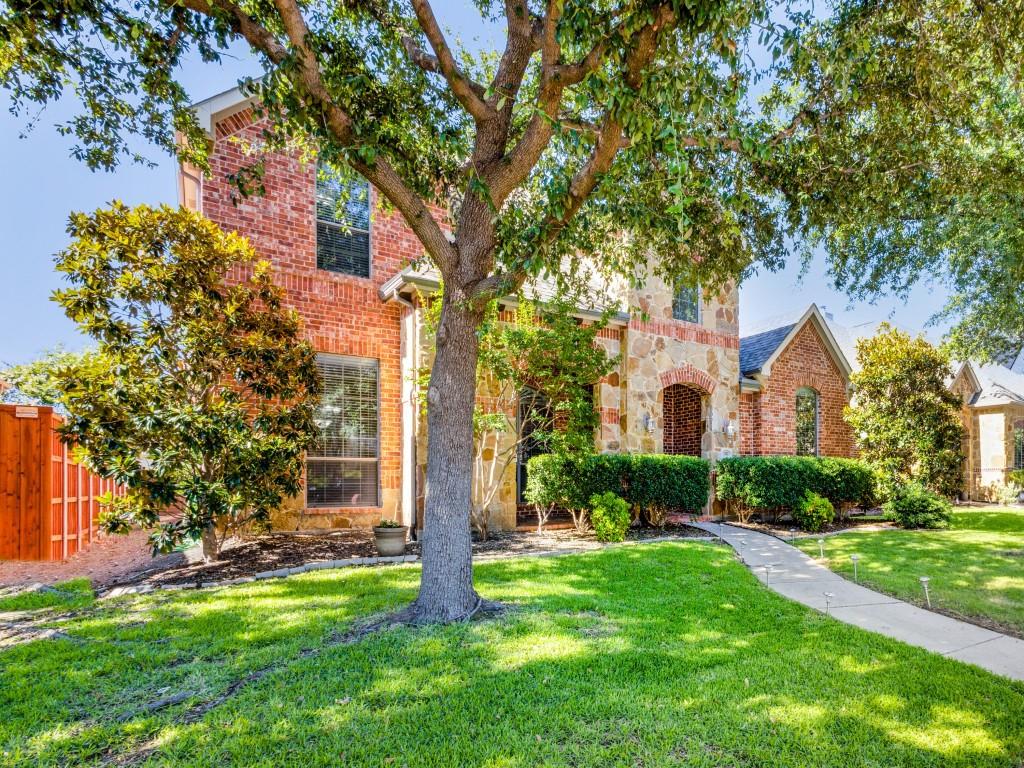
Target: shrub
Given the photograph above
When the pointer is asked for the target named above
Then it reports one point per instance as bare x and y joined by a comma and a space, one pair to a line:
610, 516
813, 512
914, 506
659, 484
776, 483
1007, 494
652, 485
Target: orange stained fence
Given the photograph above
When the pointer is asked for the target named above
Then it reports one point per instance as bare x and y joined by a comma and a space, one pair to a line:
49, 504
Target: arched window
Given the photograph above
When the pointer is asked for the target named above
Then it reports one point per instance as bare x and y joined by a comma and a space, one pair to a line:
1018, 445
806, 422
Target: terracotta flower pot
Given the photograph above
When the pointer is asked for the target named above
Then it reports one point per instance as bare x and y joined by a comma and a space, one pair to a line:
390, 541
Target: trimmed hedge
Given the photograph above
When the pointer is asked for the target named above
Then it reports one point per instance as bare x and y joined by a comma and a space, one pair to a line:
774, 483
649, 483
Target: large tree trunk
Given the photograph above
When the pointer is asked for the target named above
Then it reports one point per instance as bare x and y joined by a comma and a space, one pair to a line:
446, 586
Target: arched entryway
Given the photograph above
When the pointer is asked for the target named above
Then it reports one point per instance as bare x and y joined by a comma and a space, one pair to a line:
683, 412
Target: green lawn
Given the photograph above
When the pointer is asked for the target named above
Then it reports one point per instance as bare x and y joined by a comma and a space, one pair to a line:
658, 655
975, 568
69, 594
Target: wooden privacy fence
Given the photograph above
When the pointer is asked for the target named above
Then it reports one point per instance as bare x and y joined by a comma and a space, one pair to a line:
49, 505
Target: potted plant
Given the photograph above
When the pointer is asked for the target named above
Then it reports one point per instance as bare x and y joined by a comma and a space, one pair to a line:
390, 538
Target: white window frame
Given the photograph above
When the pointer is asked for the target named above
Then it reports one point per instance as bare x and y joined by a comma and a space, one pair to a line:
369, 231
342, 459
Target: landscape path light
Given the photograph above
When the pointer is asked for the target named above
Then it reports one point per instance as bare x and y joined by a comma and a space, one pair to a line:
828, 600
927, 597
821, 548
855, 558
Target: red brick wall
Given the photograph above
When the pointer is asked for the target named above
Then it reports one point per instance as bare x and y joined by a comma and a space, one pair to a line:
342, 314
750, 423
682, 419
768, 418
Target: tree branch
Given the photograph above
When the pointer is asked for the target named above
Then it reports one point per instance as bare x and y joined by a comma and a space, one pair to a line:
310, 84
610, 139
469, 96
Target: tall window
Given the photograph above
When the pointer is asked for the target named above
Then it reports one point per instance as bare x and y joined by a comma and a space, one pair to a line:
535, 415
806, 422
686, 303
1018, 446
343, 468
342, 224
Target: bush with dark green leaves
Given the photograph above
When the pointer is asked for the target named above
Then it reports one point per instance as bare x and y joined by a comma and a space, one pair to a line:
610, 516
778, 483
652, 485
914, 506
658, 484
813, 512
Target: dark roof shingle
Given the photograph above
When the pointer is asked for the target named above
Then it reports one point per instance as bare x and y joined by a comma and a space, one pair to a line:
756, 349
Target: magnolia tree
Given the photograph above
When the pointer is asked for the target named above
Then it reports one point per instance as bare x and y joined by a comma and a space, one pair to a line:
905, 417
200, 393
702, 136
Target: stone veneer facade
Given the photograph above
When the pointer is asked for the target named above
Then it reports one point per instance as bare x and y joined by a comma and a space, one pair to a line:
988, 441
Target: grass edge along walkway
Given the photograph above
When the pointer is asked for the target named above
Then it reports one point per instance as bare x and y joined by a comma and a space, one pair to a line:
794, 574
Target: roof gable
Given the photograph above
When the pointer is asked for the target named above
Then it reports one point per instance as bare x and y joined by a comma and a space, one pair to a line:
760, 351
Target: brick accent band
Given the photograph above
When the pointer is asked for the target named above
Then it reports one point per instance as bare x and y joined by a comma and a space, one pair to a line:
688, 374
686, 332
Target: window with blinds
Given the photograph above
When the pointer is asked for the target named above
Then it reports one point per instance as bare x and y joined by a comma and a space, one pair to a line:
343, 468
342, 224
685, 303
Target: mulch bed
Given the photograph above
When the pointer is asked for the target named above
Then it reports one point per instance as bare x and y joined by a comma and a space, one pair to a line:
273, 551
786, 529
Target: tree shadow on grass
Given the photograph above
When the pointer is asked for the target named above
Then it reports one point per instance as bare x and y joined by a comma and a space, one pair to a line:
661, 655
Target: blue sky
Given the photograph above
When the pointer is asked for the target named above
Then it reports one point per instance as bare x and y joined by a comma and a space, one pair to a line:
44, 183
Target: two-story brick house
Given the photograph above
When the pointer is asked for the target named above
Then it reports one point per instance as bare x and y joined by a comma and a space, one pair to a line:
350, 279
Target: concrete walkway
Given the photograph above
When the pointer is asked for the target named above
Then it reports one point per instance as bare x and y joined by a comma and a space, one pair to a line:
793, 574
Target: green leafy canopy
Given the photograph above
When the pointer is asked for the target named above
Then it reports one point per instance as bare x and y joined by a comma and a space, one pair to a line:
199, 396
904, 416
713, 134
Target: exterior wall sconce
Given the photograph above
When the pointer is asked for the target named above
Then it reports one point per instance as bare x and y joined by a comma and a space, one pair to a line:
730, 429
648, 422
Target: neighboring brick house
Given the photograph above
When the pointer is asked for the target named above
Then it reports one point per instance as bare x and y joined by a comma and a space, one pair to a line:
993, 418
794, 386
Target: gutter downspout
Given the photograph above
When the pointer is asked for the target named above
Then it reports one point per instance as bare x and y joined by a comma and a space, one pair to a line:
414, 350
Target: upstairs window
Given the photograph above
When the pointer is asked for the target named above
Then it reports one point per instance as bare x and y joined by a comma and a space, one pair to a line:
343, 468
806, 422
342, 224
686, 303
